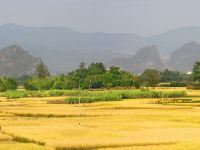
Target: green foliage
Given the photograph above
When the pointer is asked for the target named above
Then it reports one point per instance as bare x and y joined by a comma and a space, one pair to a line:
42, 71
151, 94
22, 79
39, 84
96, 68
92, 77
15, 94
95, 76
168, 76
95, 98
150, 78
7, 84
196, 71
137, 82
120, 95
47, 93
124, 94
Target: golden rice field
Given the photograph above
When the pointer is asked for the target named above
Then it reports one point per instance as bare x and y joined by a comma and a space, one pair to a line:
137, 124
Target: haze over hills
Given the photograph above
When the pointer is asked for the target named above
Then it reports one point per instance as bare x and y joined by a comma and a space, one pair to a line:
171, 40
147, 57
184, 57
62, 49
181, 59
14, 61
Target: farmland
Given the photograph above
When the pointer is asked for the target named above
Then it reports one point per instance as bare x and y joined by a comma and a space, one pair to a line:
33, 122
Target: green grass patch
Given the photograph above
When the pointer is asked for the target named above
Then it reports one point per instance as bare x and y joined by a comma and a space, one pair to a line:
120, 95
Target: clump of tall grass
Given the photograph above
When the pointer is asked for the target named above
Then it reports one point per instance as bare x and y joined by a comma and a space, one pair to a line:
27, 140
21, 139
173, 94
95, 98
92, 96
151, 94
119, 95
105, 146
58, 101
15, 94
172, 100
47, 93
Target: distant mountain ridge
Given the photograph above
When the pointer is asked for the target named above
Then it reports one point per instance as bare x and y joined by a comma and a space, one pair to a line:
62, 49
184, 57
146, 58
171, 40
15, 62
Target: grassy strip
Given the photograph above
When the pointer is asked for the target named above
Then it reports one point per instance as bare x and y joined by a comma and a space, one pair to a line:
27, 140
173, 100
21, 139
94, 96
53, 115
93, 147
5, 138
48, 93
117, 96
152, 94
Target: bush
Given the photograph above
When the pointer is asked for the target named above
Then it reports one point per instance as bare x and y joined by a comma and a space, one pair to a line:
39, 84
15, 94
7, 84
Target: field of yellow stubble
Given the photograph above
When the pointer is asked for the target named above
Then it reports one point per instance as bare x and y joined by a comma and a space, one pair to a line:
136, 124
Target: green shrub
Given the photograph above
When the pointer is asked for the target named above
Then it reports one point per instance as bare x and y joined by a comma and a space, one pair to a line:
7, 84
39, 84
15, 94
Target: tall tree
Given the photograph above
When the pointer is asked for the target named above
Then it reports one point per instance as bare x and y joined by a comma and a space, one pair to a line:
150, 78
79, 75
196, 71
96, 68
42, 71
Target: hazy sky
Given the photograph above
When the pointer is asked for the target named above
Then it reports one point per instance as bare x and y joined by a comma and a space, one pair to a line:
143, 17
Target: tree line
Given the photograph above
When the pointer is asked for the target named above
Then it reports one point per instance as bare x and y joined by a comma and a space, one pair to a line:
92, 77
96, 76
